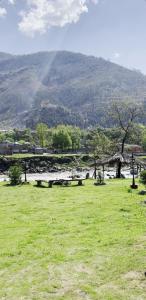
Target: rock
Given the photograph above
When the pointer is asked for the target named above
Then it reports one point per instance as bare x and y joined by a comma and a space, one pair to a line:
143, 192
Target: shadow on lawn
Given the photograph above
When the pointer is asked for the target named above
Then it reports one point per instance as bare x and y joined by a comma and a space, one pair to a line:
57, 185
8, 184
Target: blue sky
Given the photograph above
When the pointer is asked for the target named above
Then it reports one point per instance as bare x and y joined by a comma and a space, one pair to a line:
112, 29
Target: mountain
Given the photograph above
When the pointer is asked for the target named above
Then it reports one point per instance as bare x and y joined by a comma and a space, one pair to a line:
62, 87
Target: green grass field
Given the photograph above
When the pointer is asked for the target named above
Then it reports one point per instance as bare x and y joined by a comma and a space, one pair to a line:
72, 243
28, 155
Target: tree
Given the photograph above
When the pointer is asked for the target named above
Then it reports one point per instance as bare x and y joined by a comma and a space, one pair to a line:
61, 138
27, 136
42, 131
98, 145
123, 115
2, 137
15, 173
75, 135
144, 142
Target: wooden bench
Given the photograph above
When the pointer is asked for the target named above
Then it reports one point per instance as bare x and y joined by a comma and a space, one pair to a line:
64, 181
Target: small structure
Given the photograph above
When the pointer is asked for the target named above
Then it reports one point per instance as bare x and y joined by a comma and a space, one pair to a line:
38, 150
124, 159
6, 148
136, 149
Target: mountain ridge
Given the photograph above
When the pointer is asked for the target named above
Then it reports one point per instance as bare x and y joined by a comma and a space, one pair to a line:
61, 83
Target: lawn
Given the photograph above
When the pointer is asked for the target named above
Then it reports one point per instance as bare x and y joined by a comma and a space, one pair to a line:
29, 155
72, 243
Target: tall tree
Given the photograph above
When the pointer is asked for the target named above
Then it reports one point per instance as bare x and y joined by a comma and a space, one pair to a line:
42, 131
98, 145
61, 138
123, 114
75, 135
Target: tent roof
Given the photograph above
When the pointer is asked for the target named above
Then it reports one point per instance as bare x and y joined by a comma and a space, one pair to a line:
124, 158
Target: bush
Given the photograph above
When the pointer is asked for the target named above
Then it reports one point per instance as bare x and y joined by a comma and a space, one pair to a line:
15, 173
143, 177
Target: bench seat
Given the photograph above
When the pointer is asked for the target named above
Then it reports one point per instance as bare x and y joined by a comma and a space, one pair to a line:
63, 181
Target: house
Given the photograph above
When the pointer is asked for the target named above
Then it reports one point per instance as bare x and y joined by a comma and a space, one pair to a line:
6, 148
38, 150
9, 148
133, 148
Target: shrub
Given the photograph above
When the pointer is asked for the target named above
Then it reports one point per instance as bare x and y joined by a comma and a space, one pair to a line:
143, 177
129, 190
15, 173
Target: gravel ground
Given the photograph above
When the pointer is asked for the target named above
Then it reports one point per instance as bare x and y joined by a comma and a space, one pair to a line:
60, 175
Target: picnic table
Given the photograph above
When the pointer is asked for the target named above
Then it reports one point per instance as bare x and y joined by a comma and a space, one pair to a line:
64, 181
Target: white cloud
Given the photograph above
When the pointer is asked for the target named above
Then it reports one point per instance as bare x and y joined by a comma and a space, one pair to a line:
40, 15
43, 14
3, 12
117, 55
11, 1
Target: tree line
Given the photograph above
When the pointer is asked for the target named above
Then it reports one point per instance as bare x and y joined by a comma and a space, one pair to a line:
123, 129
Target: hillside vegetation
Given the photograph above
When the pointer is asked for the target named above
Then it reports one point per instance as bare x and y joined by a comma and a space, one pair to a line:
62, 87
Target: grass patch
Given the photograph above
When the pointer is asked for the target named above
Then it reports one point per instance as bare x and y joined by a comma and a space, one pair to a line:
29, 155
72, 242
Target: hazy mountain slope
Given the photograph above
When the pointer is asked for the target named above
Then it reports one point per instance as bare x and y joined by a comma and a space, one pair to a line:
62, 87
5, 56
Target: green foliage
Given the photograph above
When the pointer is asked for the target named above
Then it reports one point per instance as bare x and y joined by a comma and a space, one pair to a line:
75, 135
143, 139
129, 190
75, 91
136, 134
61, 138
15, 173
144, 142
2, 137
97, 143
42, 132
143, 177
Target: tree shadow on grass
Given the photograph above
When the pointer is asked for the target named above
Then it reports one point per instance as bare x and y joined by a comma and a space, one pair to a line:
10, 185
41, 187
58, 186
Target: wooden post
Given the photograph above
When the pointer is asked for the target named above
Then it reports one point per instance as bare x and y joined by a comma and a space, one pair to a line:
137, 170
25, 171
39, 183
80, 183
50, 184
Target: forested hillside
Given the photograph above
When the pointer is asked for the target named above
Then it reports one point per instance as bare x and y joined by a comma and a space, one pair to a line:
62, 87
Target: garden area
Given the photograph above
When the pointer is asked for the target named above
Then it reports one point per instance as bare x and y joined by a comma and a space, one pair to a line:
72, 242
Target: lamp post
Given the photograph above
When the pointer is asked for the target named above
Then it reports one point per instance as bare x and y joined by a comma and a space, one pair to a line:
133, 185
